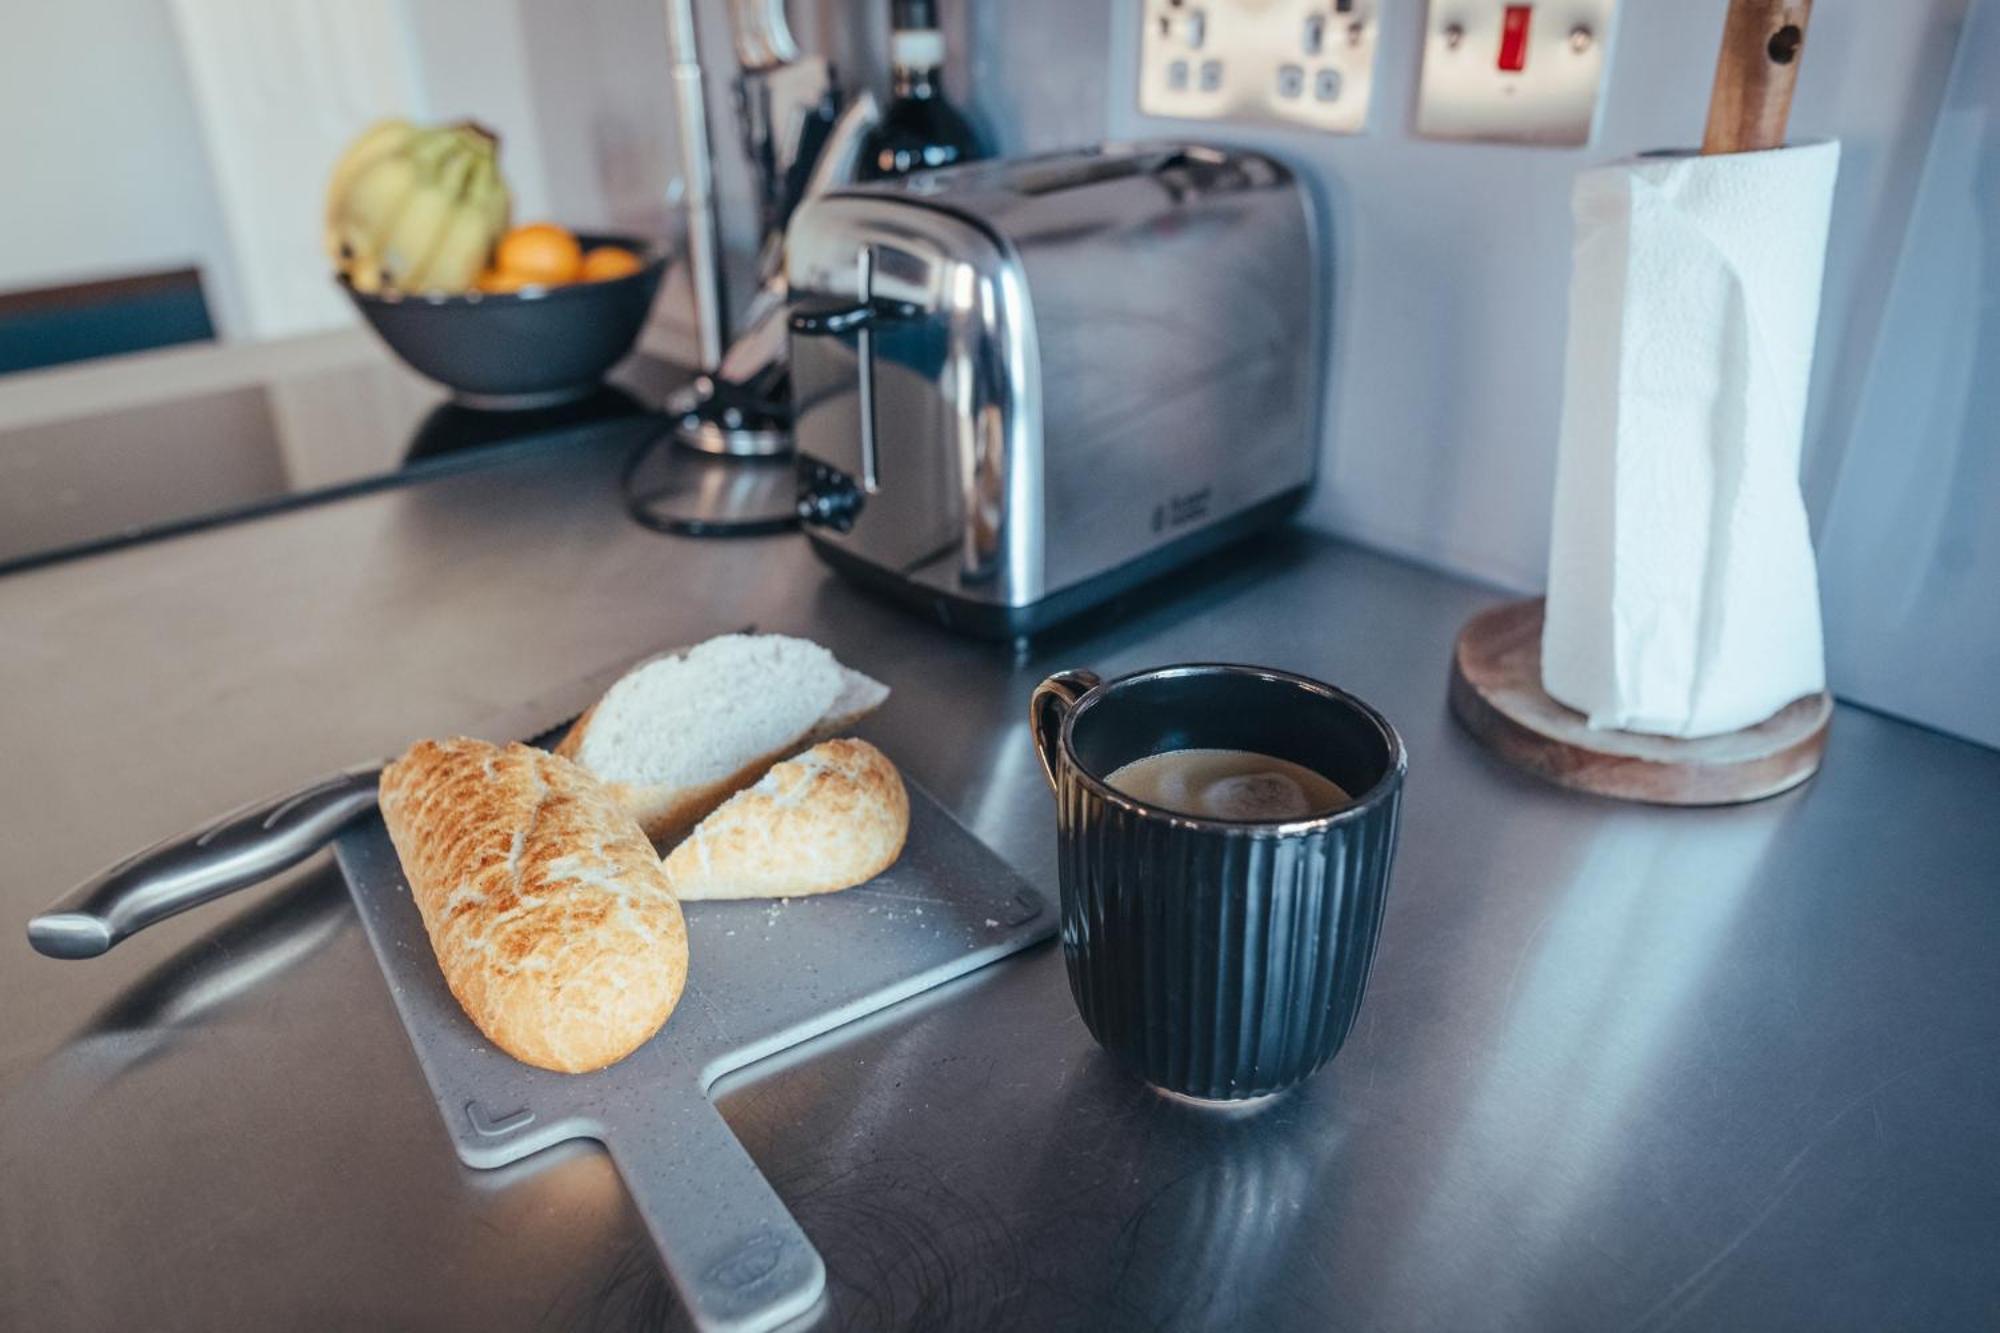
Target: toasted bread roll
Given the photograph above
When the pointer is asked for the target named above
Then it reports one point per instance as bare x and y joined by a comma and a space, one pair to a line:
830, 819
546, 907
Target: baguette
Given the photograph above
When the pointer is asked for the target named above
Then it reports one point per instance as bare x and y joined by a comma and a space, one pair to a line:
547, 910
833, 817
681, 733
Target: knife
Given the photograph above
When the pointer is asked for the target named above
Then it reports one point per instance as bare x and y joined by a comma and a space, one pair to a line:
254, 843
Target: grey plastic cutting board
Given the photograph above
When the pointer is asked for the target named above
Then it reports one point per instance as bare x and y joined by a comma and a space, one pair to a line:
762, 976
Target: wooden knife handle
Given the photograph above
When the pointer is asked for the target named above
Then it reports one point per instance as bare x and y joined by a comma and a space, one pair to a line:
1762, 42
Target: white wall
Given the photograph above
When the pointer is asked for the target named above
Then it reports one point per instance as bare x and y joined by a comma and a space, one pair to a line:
102, 158
126, 121
1910, 550
280, 87
472, 64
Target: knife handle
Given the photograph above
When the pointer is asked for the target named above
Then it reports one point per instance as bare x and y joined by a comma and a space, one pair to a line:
234, 852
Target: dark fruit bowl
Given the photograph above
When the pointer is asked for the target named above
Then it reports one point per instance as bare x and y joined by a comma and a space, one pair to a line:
531, 348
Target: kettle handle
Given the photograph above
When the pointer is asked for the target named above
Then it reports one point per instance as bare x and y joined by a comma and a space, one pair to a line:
1052, 702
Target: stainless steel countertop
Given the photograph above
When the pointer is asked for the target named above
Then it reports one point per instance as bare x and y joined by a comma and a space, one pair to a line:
1618, 1067
127, 449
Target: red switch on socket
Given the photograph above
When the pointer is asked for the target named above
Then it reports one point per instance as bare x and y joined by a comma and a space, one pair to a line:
1514, 38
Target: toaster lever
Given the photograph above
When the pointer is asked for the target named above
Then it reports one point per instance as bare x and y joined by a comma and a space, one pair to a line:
838, 317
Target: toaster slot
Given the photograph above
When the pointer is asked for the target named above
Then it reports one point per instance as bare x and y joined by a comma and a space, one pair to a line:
914, 372
875, 439
859, 320
1069, 172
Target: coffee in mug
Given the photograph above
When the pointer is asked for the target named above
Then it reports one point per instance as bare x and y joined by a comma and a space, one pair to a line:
1229, 784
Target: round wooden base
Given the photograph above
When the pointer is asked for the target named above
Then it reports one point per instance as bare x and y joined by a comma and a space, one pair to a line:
1496, 691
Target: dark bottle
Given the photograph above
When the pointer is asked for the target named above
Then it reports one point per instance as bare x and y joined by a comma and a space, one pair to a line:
920, 129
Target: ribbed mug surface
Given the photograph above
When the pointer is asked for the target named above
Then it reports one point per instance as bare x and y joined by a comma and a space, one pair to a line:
1221, 960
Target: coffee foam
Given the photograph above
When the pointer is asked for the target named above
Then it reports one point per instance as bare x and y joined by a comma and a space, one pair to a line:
1238, 785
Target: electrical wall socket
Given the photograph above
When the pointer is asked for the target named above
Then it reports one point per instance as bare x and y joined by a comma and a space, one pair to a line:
1516, 73
1289, 62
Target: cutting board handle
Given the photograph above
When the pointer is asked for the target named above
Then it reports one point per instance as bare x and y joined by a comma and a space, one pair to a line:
738, 1261
1755, 73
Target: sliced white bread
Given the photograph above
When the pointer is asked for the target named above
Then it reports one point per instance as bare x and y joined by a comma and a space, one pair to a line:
679, 734
829, 819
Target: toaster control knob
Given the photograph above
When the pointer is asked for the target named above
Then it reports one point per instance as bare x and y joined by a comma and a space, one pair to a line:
827, 499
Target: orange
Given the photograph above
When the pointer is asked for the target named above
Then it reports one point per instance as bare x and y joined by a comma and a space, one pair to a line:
540, 252
494, 280
606, 262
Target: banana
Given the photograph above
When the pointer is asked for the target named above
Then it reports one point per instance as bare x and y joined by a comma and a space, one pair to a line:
498, 209
420, 224
371, 204
496, 204
374, 143
416, 208
467, 237
364, 274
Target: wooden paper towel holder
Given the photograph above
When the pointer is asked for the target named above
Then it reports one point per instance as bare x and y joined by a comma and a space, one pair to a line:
1496, 667
1496, 691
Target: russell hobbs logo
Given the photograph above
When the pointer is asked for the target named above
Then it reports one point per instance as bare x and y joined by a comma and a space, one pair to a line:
1180, 509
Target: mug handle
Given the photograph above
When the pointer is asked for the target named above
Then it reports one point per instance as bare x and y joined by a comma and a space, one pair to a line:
1047, 708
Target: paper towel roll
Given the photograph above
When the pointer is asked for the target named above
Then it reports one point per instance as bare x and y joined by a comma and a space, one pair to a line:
1683, 598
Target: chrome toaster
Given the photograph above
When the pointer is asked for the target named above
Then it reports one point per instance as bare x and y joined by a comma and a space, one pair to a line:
1022, 387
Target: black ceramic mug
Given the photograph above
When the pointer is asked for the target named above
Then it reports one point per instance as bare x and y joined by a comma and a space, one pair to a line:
1217, 959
